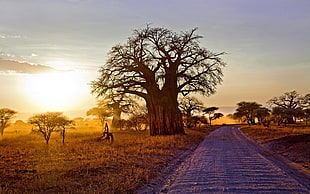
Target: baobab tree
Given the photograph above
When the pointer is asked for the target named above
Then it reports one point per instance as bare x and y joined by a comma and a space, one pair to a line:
118, 104
6, 115
291, 103
157, 65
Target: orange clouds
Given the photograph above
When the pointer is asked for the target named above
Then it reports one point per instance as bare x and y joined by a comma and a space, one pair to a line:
22, 67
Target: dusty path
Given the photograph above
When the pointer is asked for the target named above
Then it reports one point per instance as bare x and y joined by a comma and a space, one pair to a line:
227, 162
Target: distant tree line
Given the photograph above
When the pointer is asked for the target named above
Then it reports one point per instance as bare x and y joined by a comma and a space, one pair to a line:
285, 109
44, 123
192, 110
137, 116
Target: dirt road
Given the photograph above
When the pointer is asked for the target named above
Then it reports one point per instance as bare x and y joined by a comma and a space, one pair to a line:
227, 162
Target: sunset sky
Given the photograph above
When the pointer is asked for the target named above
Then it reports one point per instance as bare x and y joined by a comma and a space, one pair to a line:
51, 50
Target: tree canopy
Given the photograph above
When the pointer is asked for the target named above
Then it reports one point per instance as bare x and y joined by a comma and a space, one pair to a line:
102, 112
212, 115
6, 115
247, 111
157, 65
290, 105
117, 104
47, 123
188, 105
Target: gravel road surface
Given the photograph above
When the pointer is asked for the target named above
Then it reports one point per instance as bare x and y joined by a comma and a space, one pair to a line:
228, 162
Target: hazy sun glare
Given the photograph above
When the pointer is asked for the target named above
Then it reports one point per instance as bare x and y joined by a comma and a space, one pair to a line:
55, 90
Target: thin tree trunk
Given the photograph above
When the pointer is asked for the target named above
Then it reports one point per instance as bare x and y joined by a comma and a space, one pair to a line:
2, 127
210, 120
63, 136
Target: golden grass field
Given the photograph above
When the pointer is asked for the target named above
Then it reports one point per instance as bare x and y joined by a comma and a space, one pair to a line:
293, 141
84, 164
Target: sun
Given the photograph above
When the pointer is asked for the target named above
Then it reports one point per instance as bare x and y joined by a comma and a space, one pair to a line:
55, 90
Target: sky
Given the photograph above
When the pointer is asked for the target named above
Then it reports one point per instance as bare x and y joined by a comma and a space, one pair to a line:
51, 50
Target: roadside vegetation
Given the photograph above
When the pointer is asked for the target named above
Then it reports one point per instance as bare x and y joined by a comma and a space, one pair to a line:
84, 163
284, 129
291, 141
285, 109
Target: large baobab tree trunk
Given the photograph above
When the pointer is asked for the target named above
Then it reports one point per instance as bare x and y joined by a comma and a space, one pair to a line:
164, 116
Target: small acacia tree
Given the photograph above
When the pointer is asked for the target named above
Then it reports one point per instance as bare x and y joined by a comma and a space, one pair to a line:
262, 114
102, 112
210, 111
246, 111
63, 123
47, 123
157, 65
6, 115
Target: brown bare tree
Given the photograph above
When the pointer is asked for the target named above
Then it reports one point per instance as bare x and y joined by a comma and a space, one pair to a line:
157, 65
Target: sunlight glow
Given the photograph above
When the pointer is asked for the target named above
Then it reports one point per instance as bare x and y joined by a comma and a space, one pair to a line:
56, 90
61, 64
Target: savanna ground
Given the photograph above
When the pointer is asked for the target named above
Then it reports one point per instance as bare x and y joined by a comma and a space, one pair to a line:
84, 164
292, 141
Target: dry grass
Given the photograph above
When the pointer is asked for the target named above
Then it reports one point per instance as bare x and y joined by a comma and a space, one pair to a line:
292, 142
84, 164
263, 134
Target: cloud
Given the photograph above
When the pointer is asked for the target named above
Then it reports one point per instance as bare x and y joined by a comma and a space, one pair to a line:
4, 36
7, 55
23, 67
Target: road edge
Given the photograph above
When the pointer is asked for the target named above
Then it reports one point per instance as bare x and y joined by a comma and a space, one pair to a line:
292, 169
